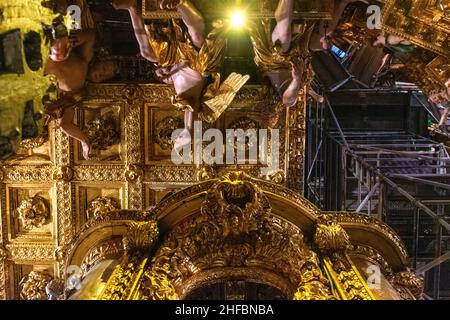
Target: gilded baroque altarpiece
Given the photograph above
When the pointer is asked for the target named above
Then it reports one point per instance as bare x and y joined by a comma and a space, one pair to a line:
134, 172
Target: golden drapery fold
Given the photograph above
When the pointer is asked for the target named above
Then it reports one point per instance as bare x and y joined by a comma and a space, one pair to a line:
269, 57
172, 44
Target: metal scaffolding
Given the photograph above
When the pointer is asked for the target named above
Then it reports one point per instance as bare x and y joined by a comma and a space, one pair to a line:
395, 176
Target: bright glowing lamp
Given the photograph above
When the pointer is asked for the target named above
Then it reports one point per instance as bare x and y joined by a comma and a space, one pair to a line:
237, 19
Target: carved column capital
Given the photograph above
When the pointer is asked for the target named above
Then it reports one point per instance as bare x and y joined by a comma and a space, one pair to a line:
330, 236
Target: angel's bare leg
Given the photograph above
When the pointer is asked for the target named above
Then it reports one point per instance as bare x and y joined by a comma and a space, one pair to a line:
138, 26
184, 138
283, 29
68, 127
290, 95
194, 21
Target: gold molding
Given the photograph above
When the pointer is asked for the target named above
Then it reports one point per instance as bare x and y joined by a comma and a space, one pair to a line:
398, 20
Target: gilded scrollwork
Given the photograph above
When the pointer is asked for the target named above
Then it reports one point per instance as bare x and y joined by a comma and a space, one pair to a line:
156, 285
278, 177
296, 126
206, 173
99, 173
32, 286
33, 212
66, 228
137, 244
118, 286
234, 208
314, 286
410, 282
362, 219
349, 283
31, 253
27, 174
236, 204
112, 248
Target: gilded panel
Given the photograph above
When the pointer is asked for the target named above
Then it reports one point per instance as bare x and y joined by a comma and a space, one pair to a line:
396, 20
103, 124
159, 123
30, 212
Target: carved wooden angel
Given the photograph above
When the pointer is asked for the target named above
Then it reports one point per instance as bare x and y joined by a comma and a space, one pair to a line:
188, 60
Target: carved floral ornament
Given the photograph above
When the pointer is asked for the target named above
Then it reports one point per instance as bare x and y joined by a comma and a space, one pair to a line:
234, 229
101, 206
33, 286
164, 130
233, 233
133, 173
33, 212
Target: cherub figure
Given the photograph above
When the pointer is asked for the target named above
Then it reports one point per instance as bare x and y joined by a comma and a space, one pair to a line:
70, 62
188, 60
283, 56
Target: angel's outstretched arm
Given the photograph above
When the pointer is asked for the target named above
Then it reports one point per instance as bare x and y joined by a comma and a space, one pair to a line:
138, 27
